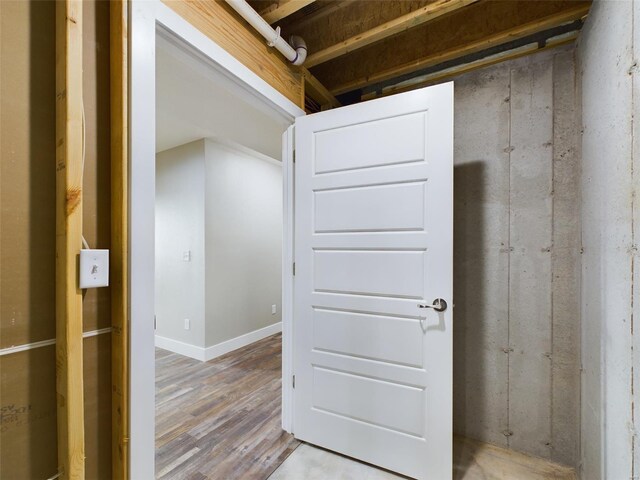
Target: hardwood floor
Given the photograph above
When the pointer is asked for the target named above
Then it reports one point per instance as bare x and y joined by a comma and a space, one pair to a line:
221, 419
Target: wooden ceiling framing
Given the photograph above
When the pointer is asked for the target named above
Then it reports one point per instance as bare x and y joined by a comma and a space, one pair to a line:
359, 49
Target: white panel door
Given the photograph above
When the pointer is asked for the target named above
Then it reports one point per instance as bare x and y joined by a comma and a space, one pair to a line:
373, 247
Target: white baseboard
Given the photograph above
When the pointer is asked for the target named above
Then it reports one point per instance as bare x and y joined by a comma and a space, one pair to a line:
209, 353
179, 347
241, 341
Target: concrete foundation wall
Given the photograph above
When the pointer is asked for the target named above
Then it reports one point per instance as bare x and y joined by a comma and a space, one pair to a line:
608, 63
517, 256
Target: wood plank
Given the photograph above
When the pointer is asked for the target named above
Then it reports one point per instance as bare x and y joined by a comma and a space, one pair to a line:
119, 240
282, 9
449, 73
216, 20
318, 91
221, 419
481, 461
336, 21
435, 46
69, 361
393, 27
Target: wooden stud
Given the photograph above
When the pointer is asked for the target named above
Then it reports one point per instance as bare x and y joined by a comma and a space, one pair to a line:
393, 27
119, 242
69, 365
283, 9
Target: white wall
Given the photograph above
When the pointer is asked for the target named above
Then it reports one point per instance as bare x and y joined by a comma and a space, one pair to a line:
608, 57
207, 107
224, 206
243, 242
180, 223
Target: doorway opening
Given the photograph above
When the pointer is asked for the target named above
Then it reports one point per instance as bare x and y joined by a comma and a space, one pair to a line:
218, 275
227, 124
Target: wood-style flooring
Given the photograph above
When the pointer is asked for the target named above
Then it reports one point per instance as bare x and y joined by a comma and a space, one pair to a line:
221, 419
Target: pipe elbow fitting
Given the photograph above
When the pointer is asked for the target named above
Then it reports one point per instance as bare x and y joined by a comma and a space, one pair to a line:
300, 46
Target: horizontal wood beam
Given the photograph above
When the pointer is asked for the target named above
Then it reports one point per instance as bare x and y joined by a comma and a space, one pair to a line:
485, 43
69, 358
282, 9
316, 90
224, 26
393, 27
449, 73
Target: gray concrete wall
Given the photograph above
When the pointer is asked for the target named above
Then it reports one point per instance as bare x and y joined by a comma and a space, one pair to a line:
607, 55
517, 256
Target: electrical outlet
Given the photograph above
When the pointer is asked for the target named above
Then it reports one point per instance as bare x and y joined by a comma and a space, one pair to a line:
273, 310
187, 324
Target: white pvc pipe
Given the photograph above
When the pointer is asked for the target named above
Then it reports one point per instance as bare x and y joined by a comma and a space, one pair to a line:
296, 53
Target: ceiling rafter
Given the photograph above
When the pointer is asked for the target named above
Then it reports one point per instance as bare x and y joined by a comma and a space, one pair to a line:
283, 8
448, 73
318, 92
393, 27
434, 58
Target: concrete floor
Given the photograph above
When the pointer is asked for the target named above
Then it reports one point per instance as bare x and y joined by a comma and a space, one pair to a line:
472, 460
313, 463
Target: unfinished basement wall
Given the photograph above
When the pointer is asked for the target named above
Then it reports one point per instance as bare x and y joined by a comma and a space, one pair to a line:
517, 256
607, 52
27, 240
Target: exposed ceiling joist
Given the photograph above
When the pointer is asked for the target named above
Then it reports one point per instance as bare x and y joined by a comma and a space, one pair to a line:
520, 31
318, 91
282, 9
447, 74
393, 27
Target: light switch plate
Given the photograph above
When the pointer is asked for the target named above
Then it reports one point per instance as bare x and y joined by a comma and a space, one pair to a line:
94, 268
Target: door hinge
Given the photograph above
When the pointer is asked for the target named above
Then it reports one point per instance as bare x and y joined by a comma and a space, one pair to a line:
293, 155
293, 382
294, 269
155, 322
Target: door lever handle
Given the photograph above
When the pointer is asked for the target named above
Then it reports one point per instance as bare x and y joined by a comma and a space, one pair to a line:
439, 305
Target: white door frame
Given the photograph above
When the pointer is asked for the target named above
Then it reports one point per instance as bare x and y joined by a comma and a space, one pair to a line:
146, 18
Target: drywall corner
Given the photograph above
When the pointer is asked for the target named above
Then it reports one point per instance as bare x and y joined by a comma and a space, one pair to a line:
243, 242
180, 248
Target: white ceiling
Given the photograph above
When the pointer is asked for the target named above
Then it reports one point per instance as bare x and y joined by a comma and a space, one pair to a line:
194, 101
